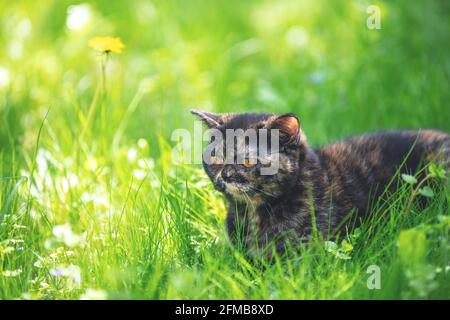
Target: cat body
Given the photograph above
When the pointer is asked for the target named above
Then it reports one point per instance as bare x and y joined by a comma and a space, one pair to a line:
331, 187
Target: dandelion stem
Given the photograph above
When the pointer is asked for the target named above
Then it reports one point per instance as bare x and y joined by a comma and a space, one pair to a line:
104, 60
90, 112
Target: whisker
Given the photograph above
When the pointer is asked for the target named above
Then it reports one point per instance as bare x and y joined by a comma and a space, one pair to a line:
263, 191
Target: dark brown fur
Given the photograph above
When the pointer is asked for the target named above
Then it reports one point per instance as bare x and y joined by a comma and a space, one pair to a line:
335, 181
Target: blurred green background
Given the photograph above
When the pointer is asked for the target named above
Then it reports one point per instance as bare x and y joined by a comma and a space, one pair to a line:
98, 205
315, 58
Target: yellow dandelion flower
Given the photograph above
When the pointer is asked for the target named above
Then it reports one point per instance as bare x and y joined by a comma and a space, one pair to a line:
107, 44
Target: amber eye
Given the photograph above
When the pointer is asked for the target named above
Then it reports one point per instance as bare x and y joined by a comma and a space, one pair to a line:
247, 164
214, 160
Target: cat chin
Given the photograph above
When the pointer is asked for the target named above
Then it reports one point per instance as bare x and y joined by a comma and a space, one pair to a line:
241, 193
253, 201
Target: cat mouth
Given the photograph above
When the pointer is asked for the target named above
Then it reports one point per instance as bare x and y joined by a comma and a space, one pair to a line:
237, 190
233, 188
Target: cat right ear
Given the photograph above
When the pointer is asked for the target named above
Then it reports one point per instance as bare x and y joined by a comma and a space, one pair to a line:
289, 126
212, 120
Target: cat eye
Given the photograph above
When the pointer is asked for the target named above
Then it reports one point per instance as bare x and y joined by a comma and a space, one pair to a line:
247, 164
214, 160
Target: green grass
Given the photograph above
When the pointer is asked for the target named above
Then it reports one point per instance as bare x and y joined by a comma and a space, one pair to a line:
98, 204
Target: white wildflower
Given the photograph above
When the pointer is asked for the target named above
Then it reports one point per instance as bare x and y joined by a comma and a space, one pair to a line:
64, 233
132, 154
71, 273
94, 294
6, 250
78, 16
139, 174
5, 77
142, 143
147, 163
11, 273
91, 164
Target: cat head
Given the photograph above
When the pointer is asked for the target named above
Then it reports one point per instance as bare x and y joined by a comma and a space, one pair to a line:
240, 168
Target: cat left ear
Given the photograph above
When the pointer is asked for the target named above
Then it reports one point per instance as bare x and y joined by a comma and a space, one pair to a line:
289, 126
212, 120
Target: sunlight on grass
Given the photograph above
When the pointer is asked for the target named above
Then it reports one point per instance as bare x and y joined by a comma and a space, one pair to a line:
91, 205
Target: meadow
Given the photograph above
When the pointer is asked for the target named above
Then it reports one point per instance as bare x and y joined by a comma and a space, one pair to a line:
92, 205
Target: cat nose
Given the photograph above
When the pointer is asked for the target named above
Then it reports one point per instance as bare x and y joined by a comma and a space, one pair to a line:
220, 184
227, 173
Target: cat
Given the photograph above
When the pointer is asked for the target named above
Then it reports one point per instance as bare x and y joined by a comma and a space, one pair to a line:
333, 182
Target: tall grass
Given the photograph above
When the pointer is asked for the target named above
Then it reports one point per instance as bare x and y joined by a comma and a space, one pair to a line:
106, 213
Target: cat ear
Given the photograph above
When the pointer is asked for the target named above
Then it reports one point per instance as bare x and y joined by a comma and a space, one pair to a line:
212, 120
289, 126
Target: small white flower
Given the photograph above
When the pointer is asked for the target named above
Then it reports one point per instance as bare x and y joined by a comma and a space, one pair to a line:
139, 174
19, 226
94, 294
78, 16
132, 154
38, 263
63, 232
5, 77
201, 183
297, 37
148, 163
91, 164
56, 272
155, 184
15, 241
72, 274
11, 273
70, 253
142, 143
6, 250
26, 296
96, 199
73, 179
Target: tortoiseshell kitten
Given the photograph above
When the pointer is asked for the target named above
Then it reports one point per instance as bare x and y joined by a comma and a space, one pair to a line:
334, 180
